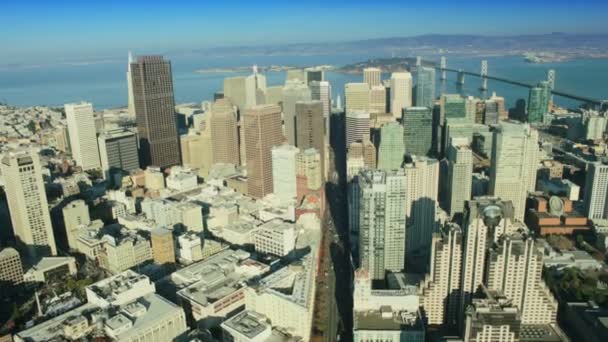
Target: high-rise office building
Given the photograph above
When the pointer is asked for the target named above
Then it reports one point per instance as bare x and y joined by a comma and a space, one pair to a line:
155, 111
453, 106
391, 150
372, 76
321, 91
440, 290
163, 246
514, 164
130, 97
27, 202
377, 99
314, 75
262, 125
284, 171
596, 191
382, 197
310, 127
418, 130
515, 270
357, 97
401, 92
503, 114
491, 115
83, 137
197, 150
459, 178
293, 92
224, 133
118, 151
422, 176
75, 215
298, 75
274, 95
364, 150
357, 126
425, 87
241, 91
538, 101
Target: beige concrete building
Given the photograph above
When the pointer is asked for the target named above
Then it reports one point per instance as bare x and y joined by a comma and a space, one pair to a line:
357, 97
263, 131
401, 92
310, 127
83, 138
27, 202
197, 151
224, 133
75, 215
162, 246
357, 126
372, 76
377, 100
308, 165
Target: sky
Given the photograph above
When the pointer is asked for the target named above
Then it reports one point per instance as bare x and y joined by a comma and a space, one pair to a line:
64, 30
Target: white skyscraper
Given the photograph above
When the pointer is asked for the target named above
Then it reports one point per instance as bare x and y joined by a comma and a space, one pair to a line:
382, 221
27, 202
421, 203
515, 270
357, 126
440, 290
596, 191
130, 98
514, 164
401, 92
293, 91
460, 175
284, 171
83, 136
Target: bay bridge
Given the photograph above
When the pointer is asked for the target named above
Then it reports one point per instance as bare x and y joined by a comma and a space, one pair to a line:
483, 74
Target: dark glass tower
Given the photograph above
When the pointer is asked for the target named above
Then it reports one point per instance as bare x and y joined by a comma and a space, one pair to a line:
155, 111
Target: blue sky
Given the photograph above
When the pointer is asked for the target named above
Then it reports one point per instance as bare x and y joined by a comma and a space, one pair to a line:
63, 29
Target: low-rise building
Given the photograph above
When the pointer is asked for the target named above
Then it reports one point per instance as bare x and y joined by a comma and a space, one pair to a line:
275, 237
11, 270
553, 215
119, 289
49, 268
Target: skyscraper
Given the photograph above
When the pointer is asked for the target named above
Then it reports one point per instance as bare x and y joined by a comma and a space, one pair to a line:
321, 91
372, 76
130, 97
293, 92
241, 91
538, 102
224, 133
401, 92
459, 176
118, 151
391, 150
308, 165
425, 87
262, 126
310, 127
422, 177
155, 111
27, 202
515, 270
382, 198
514, 164
197, 150
83, 137
453, 106
284, 171
357, 126
440, 295
596, 191
418, 130
377, 99
357, 97
314, 75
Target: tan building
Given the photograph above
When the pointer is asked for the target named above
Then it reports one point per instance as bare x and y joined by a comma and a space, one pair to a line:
162, 246
75, 215
11, 270
27, 202
440, 290
357, 97
372, 76
197, 151
310, 127
308, 165
377, 99
364, 149
263, 130
224, 133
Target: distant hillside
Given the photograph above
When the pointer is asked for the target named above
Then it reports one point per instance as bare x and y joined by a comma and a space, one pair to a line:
575, 44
